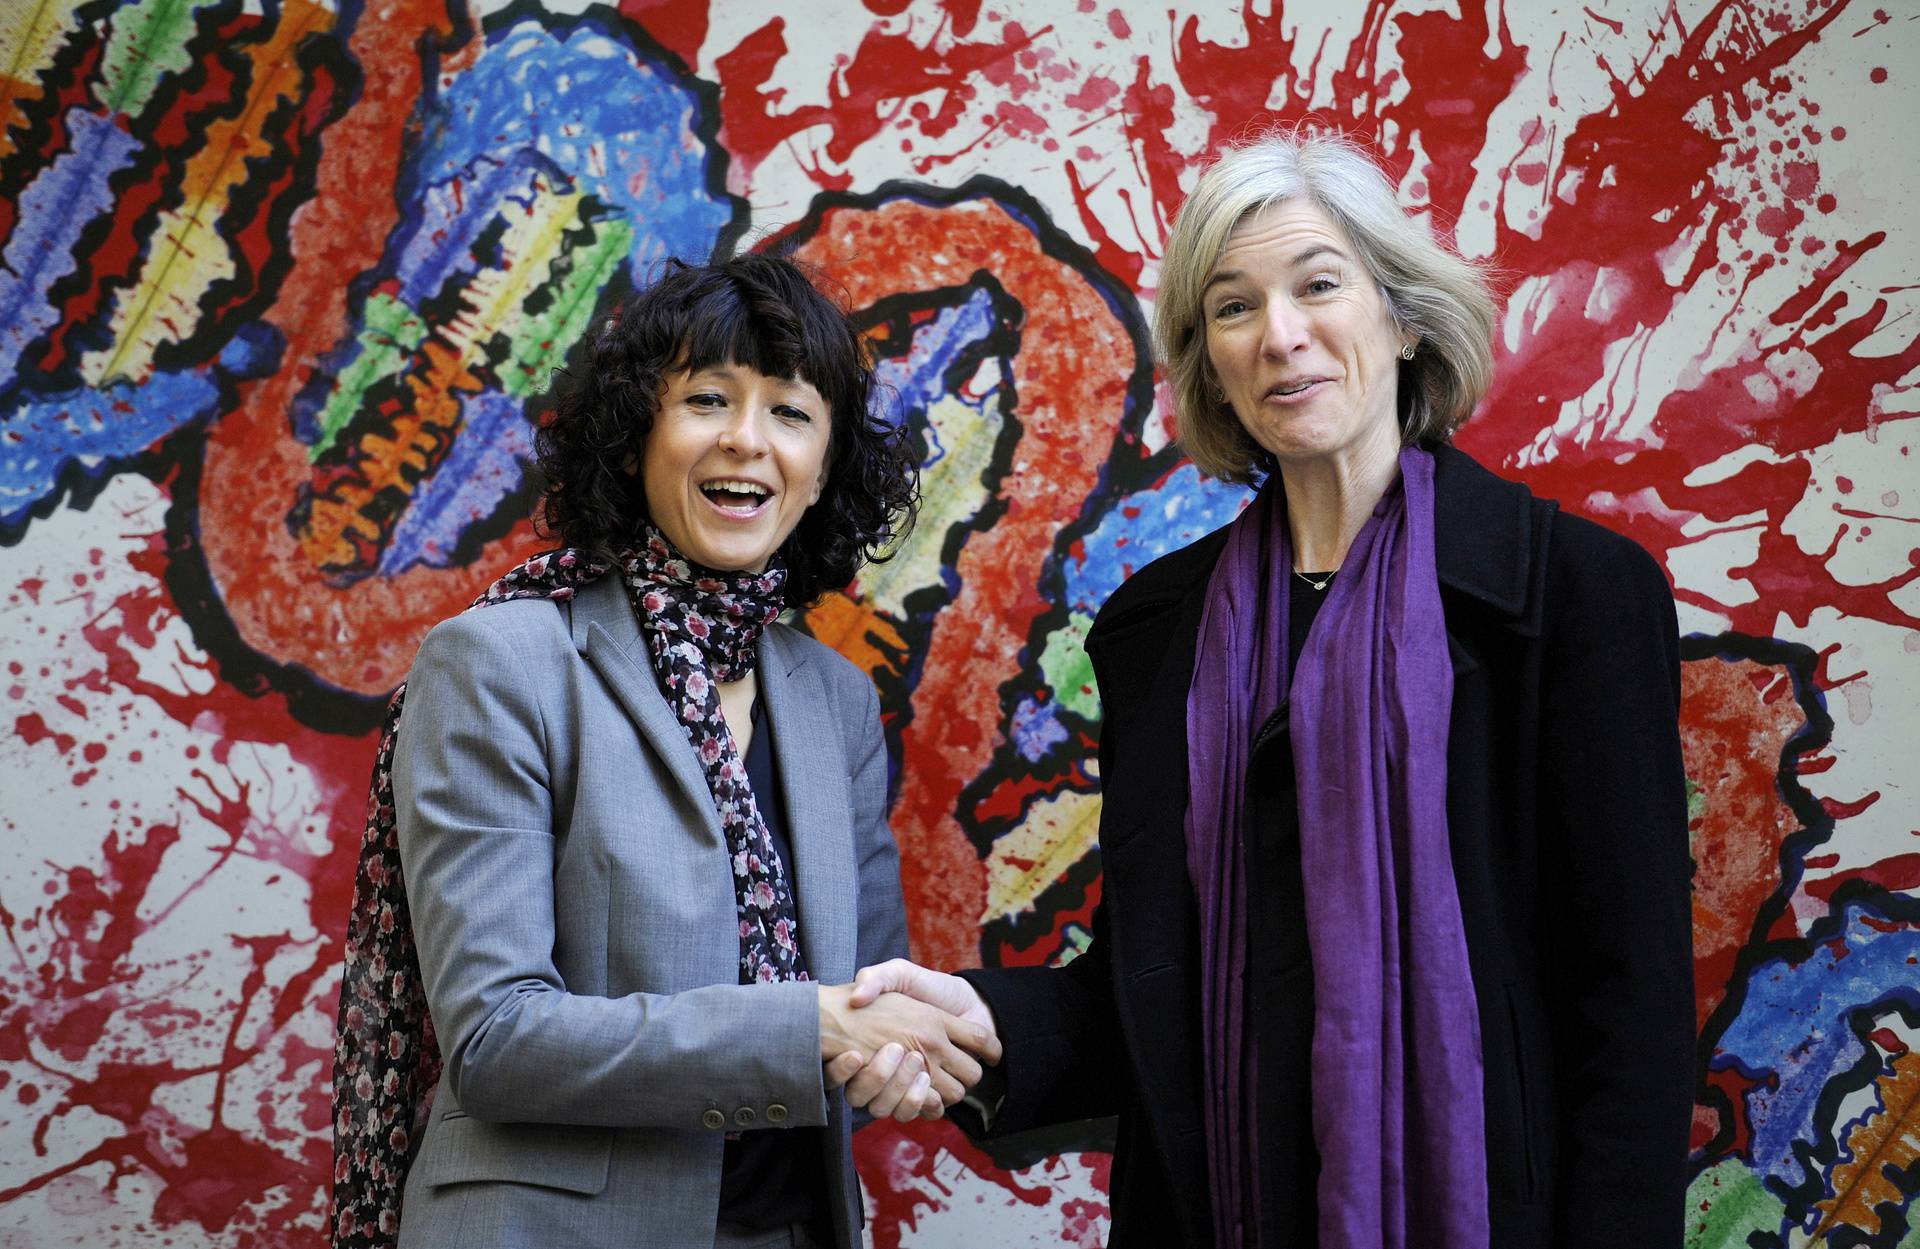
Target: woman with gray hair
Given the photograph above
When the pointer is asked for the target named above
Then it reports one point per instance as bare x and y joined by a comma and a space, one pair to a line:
1393, 947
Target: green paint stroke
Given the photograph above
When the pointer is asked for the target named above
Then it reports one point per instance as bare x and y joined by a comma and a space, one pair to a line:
542, 339
1067, 669
1726, 1204
391, 333
148, 41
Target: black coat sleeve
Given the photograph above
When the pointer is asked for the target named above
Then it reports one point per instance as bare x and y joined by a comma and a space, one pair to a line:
1618, 869
1060, 1039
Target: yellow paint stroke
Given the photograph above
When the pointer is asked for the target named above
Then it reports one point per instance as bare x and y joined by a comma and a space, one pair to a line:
952, 491
163, 306
30, 34
346, 524
1057, 833
1888, 1141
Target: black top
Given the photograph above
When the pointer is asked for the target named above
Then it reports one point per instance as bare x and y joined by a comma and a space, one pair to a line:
1279, 962
772, 1177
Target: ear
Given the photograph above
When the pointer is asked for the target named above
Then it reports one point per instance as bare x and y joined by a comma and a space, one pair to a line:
819, 486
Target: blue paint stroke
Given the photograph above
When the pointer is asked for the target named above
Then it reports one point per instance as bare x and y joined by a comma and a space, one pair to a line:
440, 247
1036, 728
603, 120
57, 205
912, 383
94, 430
1792, 1033
484, 466
1144, 526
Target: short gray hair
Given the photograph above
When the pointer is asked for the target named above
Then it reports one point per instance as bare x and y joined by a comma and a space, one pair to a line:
1432, 292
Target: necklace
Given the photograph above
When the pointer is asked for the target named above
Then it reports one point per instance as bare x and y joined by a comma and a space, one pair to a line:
1321, 584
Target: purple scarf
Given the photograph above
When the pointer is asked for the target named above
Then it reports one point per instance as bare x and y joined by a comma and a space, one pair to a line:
1398, 1116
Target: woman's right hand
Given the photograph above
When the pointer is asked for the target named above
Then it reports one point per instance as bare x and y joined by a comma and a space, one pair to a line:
912, 1059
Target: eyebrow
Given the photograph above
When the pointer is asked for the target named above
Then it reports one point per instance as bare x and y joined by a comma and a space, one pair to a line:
1301, 258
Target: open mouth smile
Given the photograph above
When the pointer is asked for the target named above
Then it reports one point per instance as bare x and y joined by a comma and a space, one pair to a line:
737, 497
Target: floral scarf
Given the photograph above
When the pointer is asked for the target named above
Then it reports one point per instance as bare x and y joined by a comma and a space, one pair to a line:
702, 628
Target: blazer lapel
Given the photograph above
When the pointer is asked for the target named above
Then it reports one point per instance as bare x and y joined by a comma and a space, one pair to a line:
607, 634
813, 781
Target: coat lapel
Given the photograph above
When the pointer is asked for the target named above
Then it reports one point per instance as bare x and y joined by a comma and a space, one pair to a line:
1486, 544
607, 634
813, 782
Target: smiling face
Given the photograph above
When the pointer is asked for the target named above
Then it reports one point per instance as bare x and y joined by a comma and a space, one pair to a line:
734, 459
1301, 340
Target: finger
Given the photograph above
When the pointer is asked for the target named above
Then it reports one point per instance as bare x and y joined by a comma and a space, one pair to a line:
872, 1078
844, 1068
983, 1043
870, 982
911, 1068
957, 1063
946, 1087
934, 1109
917, 1096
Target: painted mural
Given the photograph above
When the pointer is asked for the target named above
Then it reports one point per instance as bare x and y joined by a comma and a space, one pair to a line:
281, 279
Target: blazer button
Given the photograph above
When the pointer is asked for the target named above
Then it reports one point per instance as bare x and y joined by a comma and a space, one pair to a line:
776, 1113
745, 1116
714, 1119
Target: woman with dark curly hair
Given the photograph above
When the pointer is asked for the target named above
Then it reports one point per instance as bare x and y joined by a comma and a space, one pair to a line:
643, 825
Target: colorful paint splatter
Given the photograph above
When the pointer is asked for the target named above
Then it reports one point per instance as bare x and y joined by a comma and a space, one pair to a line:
277, 281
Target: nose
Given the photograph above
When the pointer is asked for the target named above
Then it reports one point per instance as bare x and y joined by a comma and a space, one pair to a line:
1285, 330
745, 434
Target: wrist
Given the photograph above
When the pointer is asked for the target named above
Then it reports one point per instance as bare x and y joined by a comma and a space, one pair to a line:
834, 1037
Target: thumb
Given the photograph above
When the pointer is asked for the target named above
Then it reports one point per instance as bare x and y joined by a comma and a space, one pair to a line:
870, 982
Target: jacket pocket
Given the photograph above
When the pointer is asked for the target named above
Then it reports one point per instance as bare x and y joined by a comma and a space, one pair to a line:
460, 1149
1528, 1111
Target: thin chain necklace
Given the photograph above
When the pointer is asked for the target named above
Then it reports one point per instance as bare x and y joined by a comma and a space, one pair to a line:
1321, 584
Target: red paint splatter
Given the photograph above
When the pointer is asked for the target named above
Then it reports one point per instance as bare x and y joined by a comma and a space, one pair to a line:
1900, 872
679, 26
886, 68
907, 1158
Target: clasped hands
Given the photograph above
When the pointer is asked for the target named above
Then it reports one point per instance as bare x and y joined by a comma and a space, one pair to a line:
905, 1042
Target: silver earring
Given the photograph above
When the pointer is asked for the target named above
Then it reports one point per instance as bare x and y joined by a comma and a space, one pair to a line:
1406, 352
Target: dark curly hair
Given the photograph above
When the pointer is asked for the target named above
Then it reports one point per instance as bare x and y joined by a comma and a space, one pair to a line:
762, 312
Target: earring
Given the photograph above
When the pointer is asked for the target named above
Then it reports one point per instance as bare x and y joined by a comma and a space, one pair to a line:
1217, 393
1406, 352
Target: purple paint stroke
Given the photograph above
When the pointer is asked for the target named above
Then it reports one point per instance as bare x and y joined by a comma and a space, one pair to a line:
454, 213
56, 206
483, 467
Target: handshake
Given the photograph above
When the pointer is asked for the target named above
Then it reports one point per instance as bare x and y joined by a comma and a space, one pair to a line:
905, 1042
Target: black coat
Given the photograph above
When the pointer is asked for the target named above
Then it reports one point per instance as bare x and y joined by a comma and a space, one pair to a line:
1567, 812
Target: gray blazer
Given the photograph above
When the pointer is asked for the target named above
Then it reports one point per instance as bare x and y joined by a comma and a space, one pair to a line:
573, 905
